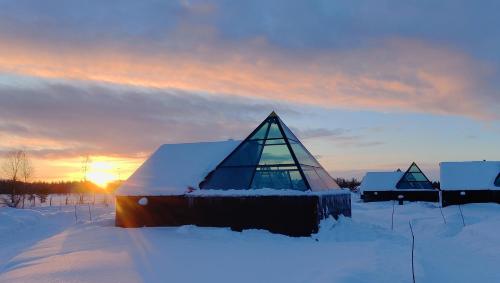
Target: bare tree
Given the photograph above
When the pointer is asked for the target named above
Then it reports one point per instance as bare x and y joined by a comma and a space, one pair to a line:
17, 168
27, 171
12, 164
26, 167
85, 167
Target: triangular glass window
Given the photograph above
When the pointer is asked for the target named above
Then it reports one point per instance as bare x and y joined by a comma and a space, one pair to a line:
288, 132
260, 133
414, 169
497, 180
274, 132
271, 157
414, 178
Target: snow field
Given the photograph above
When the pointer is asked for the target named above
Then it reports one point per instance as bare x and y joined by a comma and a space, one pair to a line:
45, 245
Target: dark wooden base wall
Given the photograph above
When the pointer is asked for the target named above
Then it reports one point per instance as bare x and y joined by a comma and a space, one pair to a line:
472, 196
424, 195
289, 215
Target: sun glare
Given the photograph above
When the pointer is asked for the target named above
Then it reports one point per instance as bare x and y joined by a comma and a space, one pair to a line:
101, 173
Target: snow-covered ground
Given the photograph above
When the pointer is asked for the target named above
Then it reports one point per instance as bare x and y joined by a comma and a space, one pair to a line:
46, 245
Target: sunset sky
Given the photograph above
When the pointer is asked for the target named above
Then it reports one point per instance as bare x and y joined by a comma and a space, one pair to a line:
366, 85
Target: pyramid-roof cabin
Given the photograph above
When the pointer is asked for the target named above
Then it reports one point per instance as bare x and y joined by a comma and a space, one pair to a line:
251, 184
397, 185
412, 179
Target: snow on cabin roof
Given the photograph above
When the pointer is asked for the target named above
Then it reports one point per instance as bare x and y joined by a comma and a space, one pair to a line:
380, 181
172, 168
469, 175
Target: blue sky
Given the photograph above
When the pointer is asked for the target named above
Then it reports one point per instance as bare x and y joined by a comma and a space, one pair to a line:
367, 85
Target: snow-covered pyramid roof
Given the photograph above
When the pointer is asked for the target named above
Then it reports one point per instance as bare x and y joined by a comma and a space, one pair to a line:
172, 168
469, 175
380, 181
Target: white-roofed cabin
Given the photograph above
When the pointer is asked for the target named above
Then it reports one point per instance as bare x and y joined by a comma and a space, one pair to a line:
411, 185
267, 181
470, 182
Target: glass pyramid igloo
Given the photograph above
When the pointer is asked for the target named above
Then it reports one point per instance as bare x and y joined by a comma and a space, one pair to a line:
414, 178
270, 157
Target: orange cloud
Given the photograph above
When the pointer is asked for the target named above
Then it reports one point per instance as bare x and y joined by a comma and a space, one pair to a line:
401, 75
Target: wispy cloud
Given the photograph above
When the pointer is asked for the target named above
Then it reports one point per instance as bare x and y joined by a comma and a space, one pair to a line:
320, 132
400, 76
339, 136
251, 50
61, 119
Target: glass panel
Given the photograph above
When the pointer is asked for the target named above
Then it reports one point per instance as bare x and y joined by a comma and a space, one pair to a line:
414, 168
297, 181
274, 132
326, 178
405, 186
276, 154
261, 133
247, 154
277, 141
497, 181
288, 133
278, 179
414, 185
303, 156
276, 167
314, 180
229, 178
272, 180
415, 177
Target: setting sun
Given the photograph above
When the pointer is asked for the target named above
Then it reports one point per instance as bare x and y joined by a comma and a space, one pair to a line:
101, 173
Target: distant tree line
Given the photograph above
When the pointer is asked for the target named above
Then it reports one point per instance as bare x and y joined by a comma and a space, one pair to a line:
351, 184
17, 193
436, 185
63, 187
